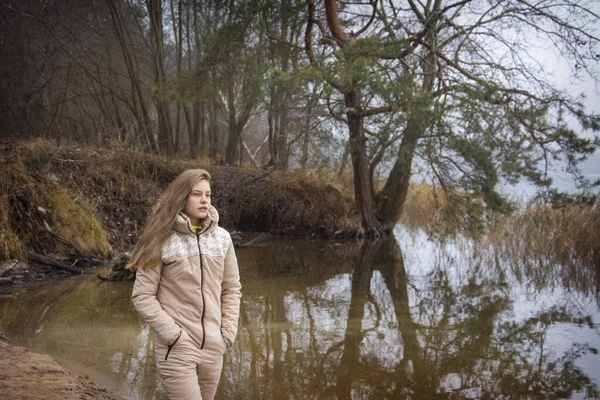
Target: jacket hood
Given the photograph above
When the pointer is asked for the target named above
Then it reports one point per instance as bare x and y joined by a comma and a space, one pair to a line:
183, 223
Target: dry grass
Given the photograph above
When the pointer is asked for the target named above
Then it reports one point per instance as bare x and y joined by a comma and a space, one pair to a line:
534, 235
125, 184
288, 203
442, 214
12, 175
116, 189
424, 206
11, 246
36, 212
569, 236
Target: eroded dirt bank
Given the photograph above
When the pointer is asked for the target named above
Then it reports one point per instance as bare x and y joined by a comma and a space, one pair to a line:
67, 209
28, 375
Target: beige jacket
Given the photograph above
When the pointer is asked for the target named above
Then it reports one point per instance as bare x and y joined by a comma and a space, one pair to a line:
197, 288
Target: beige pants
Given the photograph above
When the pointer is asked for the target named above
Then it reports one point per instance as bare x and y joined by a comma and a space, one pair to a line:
190, 373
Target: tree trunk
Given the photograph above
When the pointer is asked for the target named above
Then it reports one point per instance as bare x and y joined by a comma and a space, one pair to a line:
390, 200
199, 127
360, 164
282, 142
165, 133
307, 136
178, 35
312, 100
213, 131
165, 130
344, 160
272, 131
192, 150
233, 137
232, 152
282, 105
142, 116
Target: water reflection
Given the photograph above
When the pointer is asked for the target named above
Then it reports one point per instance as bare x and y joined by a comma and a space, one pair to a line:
352, 320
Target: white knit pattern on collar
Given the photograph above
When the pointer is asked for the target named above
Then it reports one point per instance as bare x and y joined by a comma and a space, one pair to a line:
181, 245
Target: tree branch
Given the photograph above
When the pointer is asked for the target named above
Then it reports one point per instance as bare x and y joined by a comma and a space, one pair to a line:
361, 31
334, 23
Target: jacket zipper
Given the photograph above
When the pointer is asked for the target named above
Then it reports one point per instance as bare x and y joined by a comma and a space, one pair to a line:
171, 346
202, 285
201, 288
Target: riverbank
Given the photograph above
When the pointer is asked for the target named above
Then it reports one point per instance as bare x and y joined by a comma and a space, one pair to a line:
80, 208
96, 201
17, 274
86, 207
25, 374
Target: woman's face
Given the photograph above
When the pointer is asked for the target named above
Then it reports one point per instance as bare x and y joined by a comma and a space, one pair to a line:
198, 202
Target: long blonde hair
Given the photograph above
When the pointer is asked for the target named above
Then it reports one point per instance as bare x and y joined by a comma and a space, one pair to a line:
148, 250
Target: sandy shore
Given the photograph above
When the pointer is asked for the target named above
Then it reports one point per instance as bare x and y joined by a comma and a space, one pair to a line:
28, 375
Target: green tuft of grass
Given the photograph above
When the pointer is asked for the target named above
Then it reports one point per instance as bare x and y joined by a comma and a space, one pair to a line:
11, 246
77, 223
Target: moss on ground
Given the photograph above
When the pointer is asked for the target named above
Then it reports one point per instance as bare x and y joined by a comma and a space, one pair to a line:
76, 222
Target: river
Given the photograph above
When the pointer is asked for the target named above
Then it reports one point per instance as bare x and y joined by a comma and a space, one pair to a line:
411, 318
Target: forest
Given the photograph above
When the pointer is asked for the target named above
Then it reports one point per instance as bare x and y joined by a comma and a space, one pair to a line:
380, 93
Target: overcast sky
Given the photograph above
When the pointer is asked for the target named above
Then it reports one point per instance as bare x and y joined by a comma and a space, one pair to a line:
591, 167
562, 76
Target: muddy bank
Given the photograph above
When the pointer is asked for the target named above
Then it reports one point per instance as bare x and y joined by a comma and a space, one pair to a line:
95, 202
28, 375
85, 207
16, 274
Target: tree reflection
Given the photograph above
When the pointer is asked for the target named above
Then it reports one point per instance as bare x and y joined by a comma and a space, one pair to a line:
348, 373
460, 346
452, 340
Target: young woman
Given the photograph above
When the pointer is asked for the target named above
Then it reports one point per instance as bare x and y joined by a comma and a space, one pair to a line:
187, 287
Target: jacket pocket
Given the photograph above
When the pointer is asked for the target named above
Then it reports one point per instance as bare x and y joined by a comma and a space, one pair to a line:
170, 347
225, 343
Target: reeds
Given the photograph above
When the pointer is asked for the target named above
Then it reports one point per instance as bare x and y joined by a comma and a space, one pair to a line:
569, 236
534, 234
442, 214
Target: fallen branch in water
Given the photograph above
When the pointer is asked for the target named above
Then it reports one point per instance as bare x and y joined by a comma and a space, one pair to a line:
53, 263
257, 241
93, 262
121, 275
